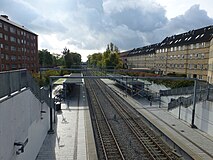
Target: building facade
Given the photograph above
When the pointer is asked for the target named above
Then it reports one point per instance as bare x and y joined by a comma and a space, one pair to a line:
18, 46
189, 54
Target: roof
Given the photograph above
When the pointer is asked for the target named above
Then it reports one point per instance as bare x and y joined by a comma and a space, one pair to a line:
204, 34
74, 80
143, 50
191, 37
6, 19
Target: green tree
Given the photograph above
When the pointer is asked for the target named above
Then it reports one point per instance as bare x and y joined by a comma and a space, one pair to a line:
95, 60
45, 58
109, 59
72, 60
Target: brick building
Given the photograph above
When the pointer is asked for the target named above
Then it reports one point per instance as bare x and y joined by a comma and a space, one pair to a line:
18, 46
189, 53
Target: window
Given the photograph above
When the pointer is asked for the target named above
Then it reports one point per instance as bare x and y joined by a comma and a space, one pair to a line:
190, 56
202, 55
197, 45
203, 44
196, 55
5, 37
182, 56
201, 66
1, 46
0, 24
1, 35
12, 30
5, 27
179, 48
165, 49
192, 46
183, 48
12, 39
2, 56
13, 48
6, 47
18, 32
171, 49
13, 66
195, 66
175, 49
6, 57
13, 58
200, 76
197, 37
18, 40
2, 66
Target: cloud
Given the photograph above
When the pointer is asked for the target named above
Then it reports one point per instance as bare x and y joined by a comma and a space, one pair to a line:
193, 18
91, 25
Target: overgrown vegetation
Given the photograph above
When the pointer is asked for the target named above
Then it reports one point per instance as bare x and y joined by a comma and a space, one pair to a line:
174, 83
44, 79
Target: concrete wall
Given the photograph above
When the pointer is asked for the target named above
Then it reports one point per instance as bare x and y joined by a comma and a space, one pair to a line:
20, 118
203, 116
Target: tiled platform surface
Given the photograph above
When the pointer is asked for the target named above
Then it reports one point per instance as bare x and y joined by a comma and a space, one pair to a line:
180, 132
73, 137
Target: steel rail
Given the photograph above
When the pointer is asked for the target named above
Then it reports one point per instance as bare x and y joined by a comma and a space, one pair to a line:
113, 150
139, 131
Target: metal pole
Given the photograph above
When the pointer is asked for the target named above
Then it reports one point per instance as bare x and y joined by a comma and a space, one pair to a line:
126, 85
179, 112
207, 98
132, 87
194, 103
51, 131
54, 110
159, 100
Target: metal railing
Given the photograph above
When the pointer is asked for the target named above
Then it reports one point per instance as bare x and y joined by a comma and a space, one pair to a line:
186, 102
177, 91
13, 81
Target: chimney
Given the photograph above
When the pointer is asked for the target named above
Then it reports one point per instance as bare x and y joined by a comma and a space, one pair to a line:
5, 16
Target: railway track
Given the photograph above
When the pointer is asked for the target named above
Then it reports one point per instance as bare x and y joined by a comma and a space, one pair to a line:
154, 147
110, 147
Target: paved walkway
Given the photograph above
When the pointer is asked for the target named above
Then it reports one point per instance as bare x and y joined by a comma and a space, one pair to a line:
194, 142
73, 137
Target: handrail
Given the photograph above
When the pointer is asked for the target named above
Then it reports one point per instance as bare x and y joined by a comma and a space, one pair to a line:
16, 80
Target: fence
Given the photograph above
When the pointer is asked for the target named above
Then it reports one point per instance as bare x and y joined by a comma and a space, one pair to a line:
177, 91
13, 81
186, 102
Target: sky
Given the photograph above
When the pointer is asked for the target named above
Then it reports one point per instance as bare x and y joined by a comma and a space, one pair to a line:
87, 26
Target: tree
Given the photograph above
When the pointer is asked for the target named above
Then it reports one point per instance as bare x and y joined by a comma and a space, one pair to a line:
72, 60
109, 59
45, 58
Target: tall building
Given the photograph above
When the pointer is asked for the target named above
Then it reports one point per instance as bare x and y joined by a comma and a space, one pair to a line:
18, 46
189, 54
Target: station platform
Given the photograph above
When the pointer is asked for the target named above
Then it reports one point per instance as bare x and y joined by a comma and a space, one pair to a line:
194, 142
73, 138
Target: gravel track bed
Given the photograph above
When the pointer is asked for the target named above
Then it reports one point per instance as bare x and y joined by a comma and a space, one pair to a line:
130, 146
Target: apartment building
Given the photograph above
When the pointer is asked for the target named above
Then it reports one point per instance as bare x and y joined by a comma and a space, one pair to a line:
189, 53
18, 46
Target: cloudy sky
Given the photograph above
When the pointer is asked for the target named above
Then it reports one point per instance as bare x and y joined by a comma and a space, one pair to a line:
87, 26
